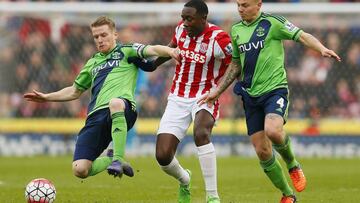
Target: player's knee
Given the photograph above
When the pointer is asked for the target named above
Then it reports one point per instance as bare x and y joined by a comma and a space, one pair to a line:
272, 132
164, 157
116, 105
263, 151
201, 136
80, 171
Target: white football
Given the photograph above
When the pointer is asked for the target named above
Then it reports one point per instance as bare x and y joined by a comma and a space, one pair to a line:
40, 190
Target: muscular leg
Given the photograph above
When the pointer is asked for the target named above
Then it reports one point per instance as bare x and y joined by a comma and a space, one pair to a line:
275, 132
269, 163
166, 145
203, 125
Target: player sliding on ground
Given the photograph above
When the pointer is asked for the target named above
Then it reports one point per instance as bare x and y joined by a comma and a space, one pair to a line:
111, 75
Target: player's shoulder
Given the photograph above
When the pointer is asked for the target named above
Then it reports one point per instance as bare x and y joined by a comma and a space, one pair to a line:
273, 17
127, 46
219, 30
237, 24
180, 25
131, 46
95, 59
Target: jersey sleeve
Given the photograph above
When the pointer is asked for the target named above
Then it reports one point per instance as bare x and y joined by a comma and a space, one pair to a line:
235, 50
222, 46
84, 79
285, 30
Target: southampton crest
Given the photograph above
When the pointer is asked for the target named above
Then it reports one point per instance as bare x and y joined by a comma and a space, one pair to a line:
116, 56
260, 31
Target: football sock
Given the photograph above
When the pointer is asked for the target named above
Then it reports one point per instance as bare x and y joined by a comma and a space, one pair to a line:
286, 152
99, 165
273, 170
207, 158
118, 134
175, 170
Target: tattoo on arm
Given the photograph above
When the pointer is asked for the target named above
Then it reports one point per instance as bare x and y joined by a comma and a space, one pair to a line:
234, 70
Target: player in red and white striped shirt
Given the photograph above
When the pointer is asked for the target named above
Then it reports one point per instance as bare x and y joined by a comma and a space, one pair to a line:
204, 54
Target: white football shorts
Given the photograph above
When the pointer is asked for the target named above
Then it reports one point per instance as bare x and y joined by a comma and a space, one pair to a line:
179, 114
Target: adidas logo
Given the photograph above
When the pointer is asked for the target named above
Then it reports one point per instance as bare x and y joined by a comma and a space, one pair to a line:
279, 110
117, 130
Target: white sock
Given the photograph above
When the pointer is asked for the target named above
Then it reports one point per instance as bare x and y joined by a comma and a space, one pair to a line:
207, 158
175, 170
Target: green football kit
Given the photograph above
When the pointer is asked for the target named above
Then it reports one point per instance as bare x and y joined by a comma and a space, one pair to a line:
109, 76
263, 84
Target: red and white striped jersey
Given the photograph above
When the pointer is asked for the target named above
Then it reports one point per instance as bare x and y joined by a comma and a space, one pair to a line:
204, 60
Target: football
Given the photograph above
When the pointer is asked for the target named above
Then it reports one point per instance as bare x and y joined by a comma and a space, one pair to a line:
40, 190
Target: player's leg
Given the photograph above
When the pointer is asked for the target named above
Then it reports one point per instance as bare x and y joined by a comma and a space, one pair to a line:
118, 128
281, 142
173, 125
269, 162
203, 123
276, 108
89, 146
166, 145
123, 117
81, 168
101, 163
255, 124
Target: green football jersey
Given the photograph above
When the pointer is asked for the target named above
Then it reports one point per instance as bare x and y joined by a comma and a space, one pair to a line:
110, 76
260, 49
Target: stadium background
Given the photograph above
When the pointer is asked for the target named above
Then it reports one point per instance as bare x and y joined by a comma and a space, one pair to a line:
44, 45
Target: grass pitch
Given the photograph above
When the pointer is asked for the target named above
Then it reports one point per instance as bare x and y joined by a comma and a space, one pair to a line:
239, 180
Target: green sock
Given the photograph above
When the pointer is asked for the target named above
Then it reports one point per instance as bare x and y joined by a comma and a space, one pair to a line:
119, 132
99, 165
286, 152
273, 170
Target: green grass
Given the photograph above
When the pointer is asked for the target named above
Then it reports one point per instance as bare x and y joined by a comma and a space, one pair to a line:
239, 179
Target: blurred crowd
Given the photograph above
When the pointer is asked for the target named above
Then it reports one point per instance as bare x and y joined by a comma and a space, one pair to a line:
32, 59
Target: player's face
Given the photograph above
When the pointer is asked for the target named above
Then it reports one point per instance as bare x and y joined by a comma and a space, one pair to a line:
194, 23
104, 37
249, 9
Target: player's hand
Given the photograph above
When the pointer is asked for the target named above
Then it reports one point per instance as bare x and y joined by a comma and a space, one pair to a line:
208, 98
35, 96
175, 54
330, 53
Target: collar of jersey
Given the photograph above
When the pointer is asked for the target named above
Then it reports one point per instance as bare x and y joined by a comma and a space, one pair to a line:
252, 23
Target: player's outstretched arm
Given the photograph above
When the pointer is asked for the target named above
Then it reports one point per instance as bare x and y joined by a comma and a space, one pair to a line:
232, 72
65, 94
162, 51
313, 43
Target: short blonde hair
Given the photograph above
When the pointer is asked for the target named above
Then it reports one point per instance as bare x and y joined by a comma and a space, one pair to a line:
103, 20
